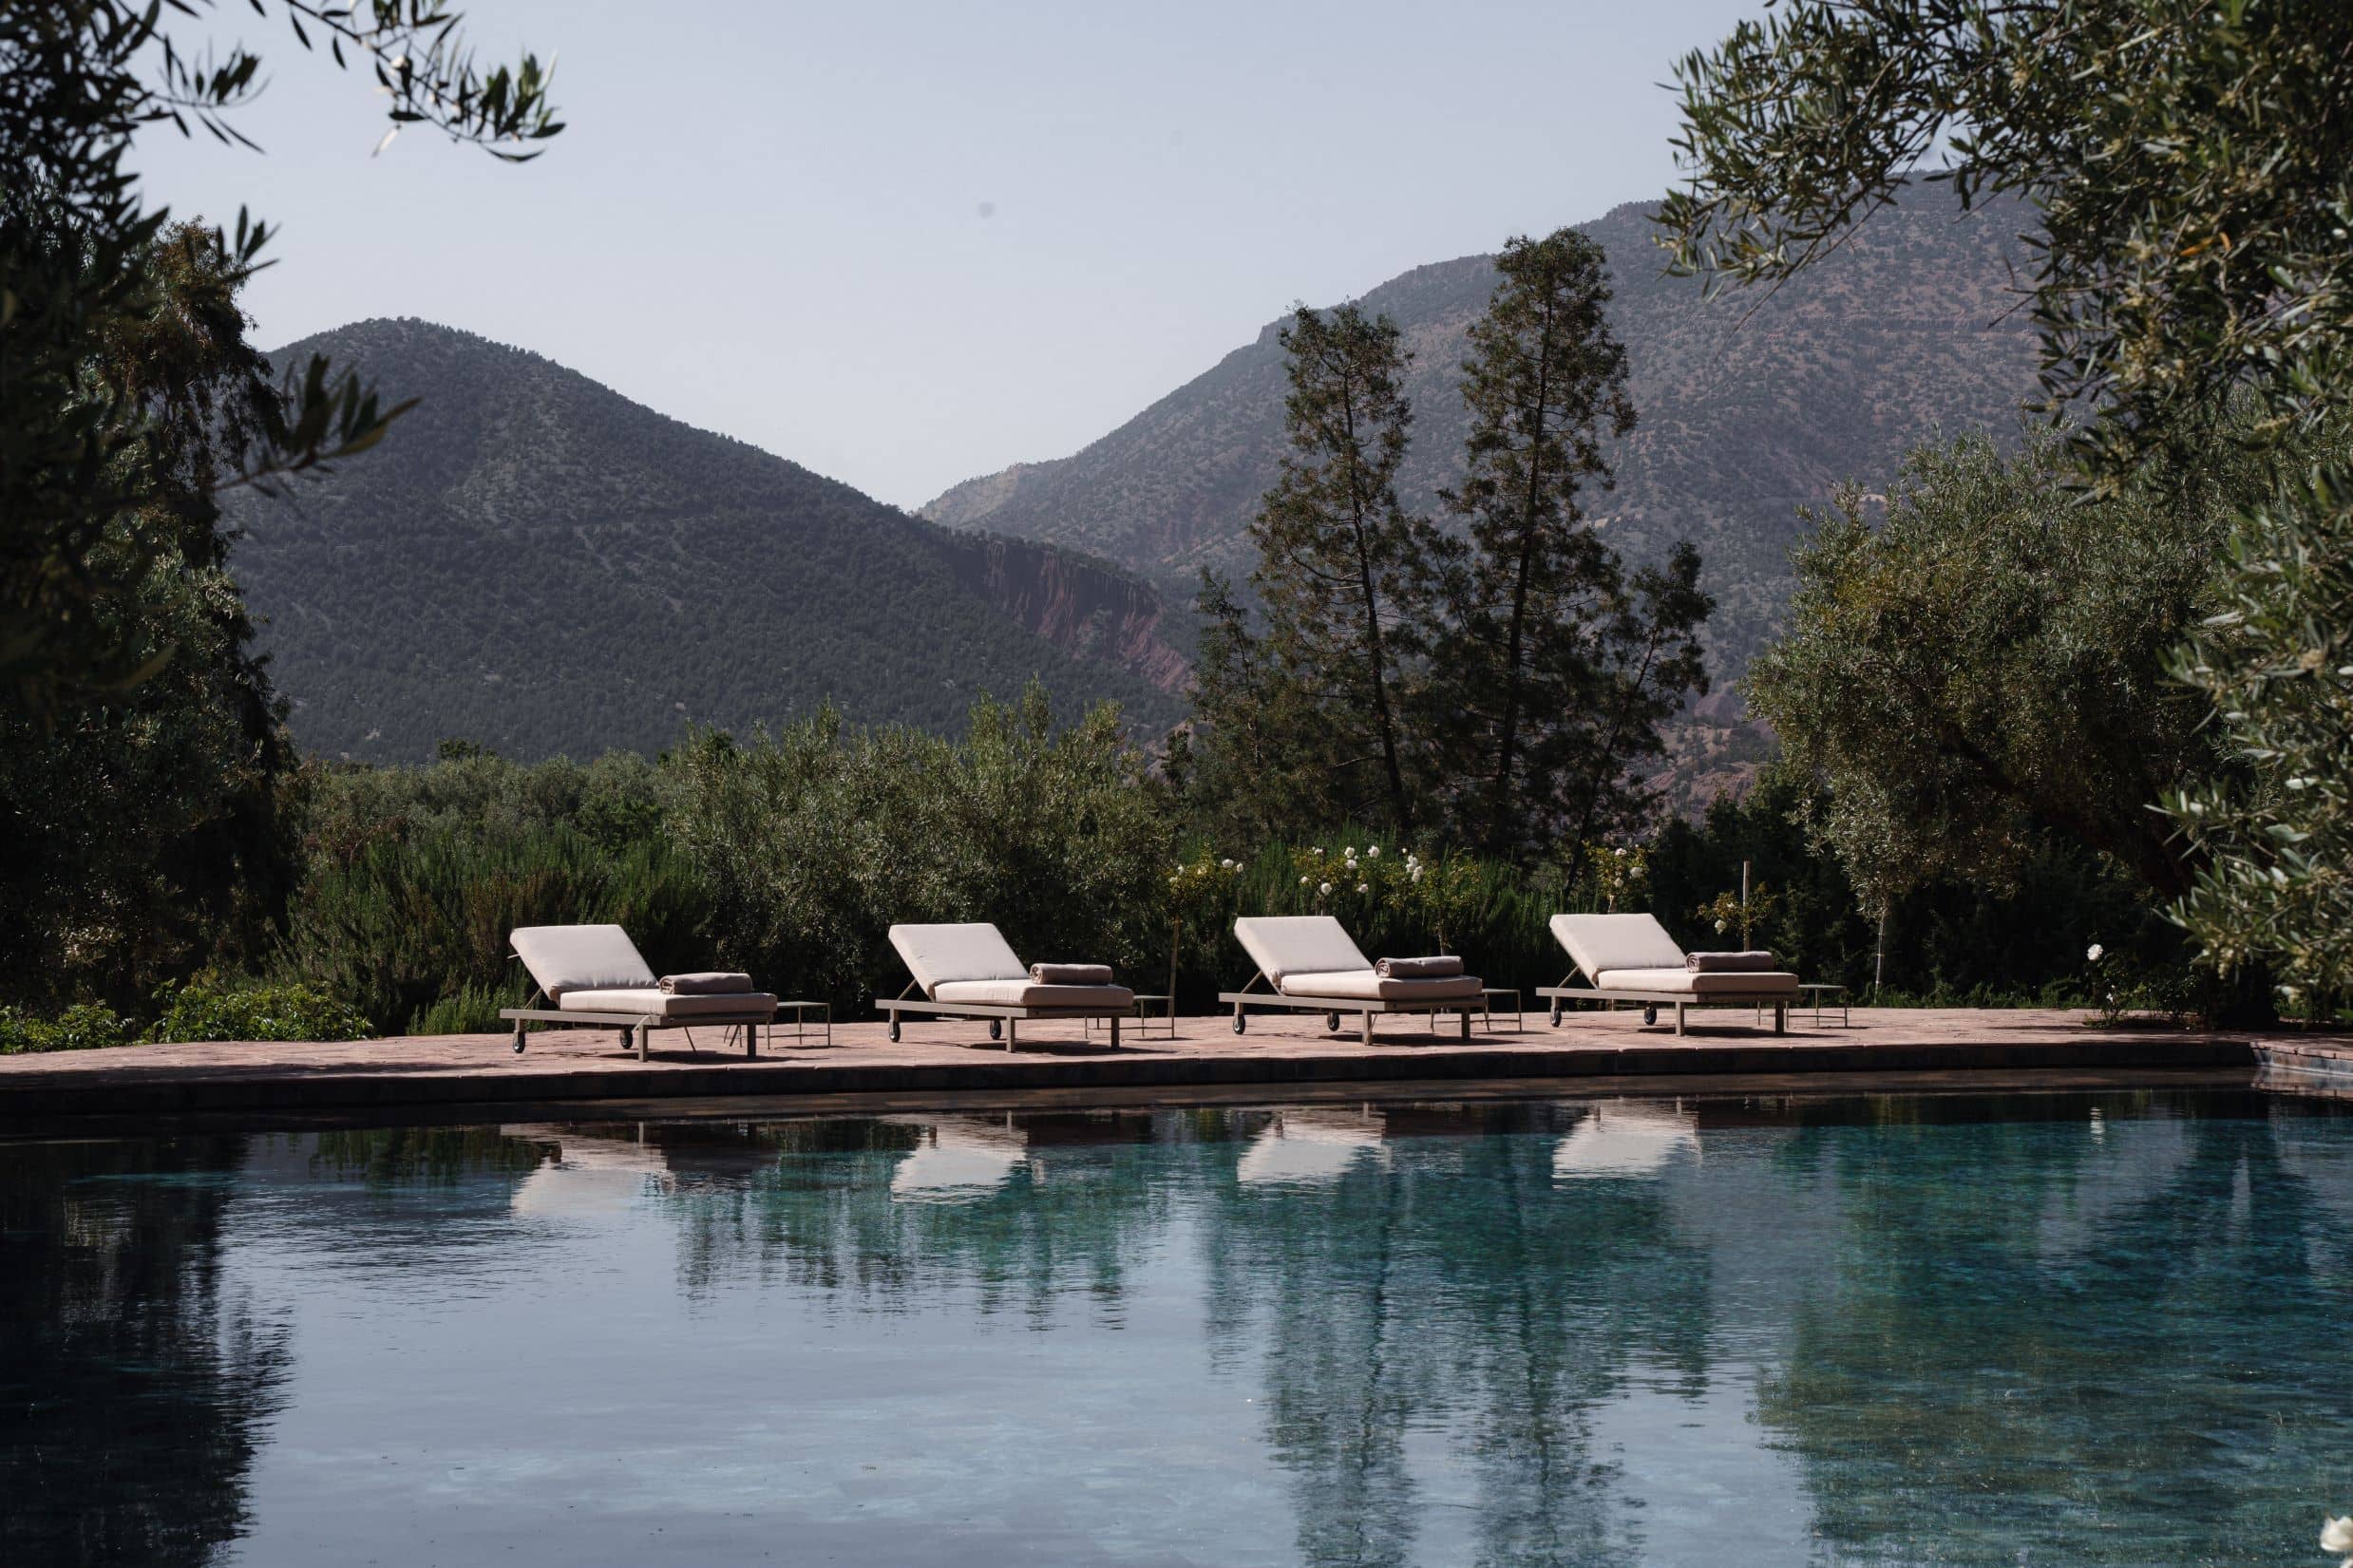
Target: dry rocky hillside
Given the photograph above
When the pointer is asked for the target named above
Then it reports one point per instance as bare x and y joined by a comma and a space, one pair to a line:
534, 563
1751, 406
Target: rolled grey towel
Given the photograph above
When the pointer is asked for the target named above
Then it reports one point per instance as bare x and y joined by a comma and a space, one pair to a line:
1732, 963
1441, 968
1070, 975
709, 983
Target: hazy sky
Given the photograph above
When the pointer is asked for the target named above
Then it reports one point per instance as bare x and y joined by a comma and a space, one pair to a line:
906, 243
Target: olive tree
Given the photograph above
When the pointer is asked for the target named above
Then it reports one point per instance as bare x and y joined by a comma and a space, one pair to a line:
2187, 166
79, 80
1980, 660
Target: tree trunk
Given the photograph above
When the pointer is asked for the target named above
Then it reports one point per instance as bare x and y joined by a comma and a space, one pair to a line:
1377, 657
1507, 744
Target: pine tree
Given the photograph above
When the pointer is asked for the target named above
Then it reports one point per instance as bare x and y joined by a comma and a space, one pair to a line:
1343, 569
1250, 768
1539, 704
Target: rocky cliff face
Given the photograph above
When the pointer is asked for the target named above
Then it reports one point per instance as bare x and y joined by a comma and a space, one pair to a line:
1084, 607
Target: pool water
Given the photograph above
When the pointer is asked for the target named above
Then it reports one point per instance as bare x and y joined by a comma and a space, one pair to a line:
2054, 1328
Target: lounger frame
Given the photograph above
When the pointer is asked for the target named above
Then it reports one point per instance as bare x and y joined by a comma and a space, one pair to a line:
1681, 1001
1004, 1018
1333, 1008
637, 1024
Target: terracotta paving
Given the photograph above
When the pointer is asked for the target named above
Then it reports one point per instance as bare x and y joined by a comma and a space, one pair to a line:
938, 1061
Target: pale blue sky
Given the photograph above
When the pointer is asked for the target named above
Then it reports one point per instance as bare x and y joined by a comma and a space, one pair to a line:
768, 219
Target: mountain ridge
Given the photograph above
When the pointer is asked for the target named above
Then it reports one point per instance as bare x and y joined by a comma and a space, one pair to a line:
537, 563
1750, 406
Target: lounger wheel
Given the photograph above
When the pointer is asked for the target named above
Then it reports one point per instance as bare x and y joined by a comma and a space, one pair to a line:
1241, 1025
1556, 1015
1332, 1022
996, 1028
894, 1028
1650, 1012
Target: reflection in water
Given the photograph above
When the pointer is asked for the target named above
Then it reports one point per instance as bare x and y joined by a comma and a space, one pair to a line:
961, 1157
2184, 1342
132, 1385
1626, 1140
1451, 1291
1310, 1143
2066, 1329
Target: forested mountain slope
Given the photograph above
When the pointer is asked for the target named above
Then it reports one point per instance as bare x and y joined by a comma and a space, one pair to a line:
533, 562
1750, 406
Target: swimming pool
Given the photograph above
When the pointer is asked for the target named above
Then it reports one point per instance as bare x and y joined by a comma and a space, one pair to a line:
2048, 1329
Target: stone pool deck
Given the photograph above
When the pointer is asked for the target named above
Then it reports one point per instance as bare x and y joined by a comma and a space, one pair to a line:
585, 1072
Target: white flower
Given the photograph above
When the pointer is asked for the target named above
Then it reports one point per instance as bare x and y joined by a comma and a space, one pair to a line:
1621, 852
1325, 887
1373, 852
1719, 928
1302, 881
1418, 874
1350, 852
2093, 952
1361, 888
1318, 849
2337, 1535
1226, 865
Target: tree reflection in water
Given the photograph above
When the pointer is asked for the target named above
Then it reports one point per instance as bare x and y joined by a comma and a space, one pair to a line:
132, 1386
1403, 1269
2067, 1329
1457, 1288
2036, 1348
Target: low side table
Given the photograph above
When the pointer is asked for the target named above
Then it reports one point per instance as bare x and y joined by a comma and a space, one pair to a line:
800, 1012
1167, 1012
1490, 993
1820, 993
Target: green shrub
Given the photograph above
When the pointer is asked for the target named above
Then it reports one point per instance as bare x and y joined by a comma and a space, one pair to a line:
814, 840
471, 1009
84, 1026
209, 1008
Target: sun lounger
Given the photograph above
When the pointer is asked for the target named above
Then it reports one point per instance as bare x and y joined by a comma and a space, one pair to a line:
1309, 964
1631, 958
969, 971
596, 979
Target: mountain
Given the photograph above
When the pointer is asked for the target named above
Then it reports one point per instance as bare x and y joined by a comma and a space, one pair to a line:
535, 563
1750, 406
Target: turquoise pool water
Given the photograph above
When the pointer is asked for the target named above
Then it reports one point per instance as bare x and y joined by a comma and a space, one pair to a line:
2058, 1328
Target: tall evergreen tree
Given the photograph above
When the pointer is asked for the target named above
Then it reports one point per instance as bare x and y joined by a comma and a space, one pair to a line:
1538, 704
1250, 768
1343, 569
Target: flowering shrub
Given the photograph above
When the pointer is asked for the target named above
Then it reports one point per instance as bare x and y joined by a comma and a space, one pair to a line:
1203, 889
1614, 872
1727, 909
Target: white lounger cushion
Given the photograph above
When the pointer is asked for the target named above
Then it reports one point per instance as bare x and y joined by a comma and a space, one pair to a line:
1366, 986
1602, 942
937, 955
1299, 944
1748, 982
663, 1004
565, 958
1027, 993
